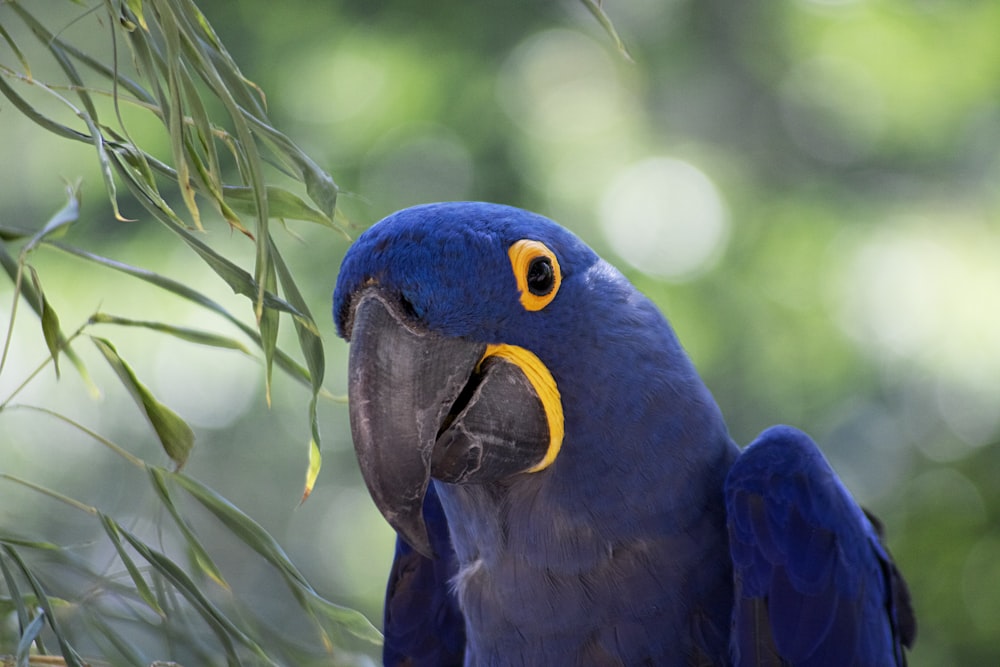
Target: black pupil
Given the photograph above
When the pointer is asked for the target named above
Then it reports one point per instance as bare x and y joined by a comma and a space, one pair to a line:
541, 277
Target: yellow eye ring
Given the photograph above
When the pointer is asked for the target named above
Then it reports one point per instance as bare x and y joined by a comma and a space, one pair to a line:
537, 272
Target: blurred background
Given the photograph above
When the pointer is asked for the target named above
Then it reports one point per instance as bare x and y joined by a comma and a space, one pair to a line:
810, 189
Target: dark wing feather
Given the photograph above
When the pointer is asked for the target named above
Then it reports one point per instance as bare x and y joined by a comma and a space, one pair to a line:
814, 585
423, 624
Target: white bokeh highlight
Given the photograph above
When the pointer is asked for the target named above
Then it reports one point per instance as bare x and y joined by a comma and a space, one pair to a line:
665, 217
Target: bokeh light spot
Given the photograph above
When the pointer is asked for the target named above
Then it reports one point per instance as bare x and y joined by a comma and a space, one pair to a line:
665, 217
560, 85
929, 294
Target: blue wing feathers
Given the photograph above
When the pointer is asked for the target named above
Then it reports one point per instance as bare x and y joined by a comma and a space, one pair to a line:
423, 625
805, 552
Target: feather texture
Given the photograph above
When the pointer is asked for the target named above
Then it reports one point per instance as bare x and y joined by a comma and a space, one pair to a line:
651, 539
814, 585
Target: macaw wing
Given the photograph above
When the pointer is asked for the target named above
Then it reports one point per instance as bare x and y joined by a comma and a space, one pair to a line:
814, 586
423, 625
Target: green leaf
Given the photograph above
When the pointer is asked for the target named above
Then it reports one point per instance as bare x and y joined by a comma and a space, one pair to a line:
141, 587
51, 493
39, 118
239, 280
176, 437
281, 204
595, 8
130, 654
50, 321
136, 8
60, 222
18, 601
55, 48
267, 323
312, 470
17, 51
176, 127
89, 112
258, 539
34, 299
201, 557
184, 333
225, 630
285, 362
117, 449
69, 654
320, 187
312, 349
28, 637
30, 544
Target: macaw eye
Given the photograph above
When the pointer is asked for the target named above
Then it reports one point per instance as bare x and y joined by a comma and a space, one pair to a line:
541, 278
537, 272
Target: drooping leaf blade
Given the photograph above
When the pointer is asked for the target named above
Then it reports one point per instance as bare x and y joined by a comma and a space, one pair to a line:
50, 320
142, 588
201, 556
285, 362
69, 654
281, 204
176, 437
312, 470
58, 223
597, 11
254, 536
225, 630
197, 336
28, 636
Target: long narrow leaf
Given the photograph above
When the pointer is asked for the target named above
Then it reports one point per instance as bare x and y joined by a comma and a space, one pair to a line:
141, 587
17, 51
89, 112
597, 11
267, 323
224, 628
309, 340
251, 533
55, 48
34, 299
39, 118
203, 560
320, 187
249, 162
56, 225
176, 128
184, 333
285, 362
17, 598
281, 203
312, 349
175, 436
50, 321
129, 652
117, 449
312, 469
71, 657
240, 281
28, 637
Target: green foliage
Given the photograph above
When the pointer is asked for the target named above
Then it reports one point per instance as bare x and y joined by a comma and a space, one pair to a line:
218, 133
850, 152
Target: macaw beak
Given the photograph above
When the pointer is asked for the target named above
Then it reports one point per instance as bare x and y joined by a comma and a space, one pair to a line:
424, 405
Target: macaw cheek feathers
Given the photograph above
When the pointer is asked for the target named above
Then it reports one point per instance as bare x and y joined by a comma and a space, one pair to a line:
423, 405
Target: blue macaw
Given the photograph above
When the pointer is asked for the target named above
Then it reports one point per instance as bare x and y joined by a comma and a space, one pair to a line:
562, 483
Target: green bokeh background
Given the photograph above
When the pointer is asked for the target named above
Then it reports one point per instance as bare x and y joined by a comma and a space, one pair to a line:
809, 189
